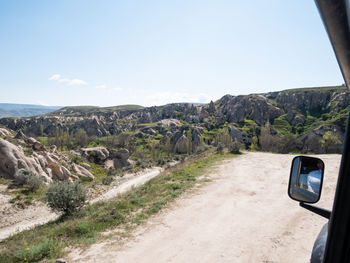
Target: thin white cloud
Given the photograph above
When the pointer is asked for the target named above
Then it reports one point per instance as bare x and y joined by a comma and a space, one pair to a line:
77, 82
104, 87
70, 82
64, 80
55, 77
161, 98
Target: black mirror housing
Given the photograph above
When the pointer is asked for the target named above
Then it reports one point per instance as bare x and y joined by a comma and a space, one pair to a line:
306, 178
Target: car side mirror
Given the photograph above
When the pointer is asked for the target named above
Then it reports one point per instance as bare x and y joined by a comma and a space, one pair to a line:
306, 178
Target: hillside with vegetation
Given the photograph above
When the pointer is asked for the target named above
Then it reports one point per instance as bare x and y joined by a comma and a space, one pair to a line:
310, 120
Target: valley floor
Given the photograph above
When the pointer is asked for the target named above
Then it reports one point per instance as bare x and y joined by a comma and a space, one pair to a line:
244, 215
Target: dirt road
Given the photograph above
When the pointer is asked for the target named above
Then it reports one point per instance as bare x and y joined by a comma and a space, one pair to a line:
244, 215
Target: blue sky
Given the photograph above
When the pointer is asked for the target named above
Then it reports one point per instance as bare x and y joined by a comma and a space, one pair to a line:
152, 52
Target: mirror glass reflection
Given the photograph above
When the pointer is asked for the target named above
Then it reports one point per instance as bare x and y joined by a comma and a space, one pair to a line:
306, 179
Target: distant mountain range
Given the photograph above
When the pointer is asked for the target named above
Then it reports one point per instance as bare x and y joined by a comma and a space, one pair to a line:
24, 110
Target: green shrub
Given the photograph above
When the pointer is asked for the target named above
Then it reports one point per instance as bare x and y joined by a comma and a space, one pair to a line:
161, 161
97, 171
35, 253
82, 228
254, 146
202, 148
331, 143
66, 197
175, 186
107, 180
34, 183
220, 147
112, 172
289, 143
22, 176
282, 126
28, 178
144, 163
234, 147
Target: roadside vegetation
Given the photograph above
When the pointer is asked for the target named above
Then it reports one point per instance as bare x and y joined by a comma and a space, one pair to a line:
87, 225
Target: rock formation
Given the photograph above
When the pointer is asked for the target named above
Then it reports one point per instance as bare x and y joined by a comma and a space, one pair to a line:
297, 109
43, 163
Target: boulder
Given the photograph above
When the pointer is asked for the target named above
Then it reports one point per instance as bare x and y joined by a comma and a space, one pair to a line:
235, 134
96, 154
31, 140
211, 108
196, 135
54, 149
298, 119
193, 119
57, 172
181, 145
290, 116
4, 132
12, 159
120, 154
311, 143
36, 145
86, 166
170, 122
312, 140
41, 160
120, 158
82, 172
21, 135
263, 111
149, 131
176, 136
203, 115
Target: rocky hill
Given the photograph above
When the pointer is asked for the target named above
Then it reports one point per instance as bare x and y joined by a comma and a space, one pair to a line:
304, 115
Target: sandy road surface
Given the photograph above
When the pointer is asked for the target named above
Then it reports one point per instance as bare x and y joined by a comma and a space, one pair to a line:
131, 181
244, 215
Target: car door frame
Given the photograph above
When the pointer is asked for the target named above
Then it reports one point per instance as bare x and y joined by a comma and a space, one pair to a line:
335, 15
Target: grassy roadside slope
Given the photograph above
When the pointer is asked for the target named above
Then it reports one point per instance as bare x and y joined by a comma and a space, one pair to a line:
131, 209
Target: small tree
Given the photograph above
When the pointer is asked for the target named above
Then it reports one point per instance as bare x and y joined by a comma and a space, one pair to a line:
81, 137
168, 147
66, 197
189, 141
220, 147
268, 142
154, 147
289, 143
330, 142
255, 144
314, 145
124, 139
223, 136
